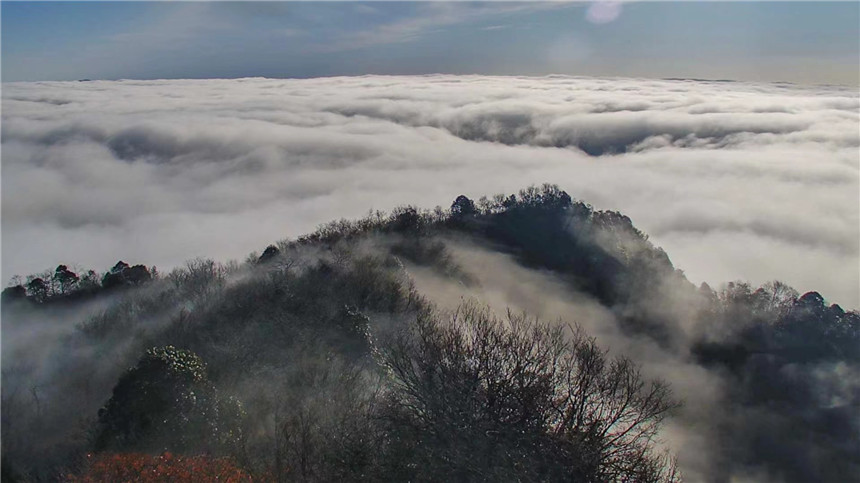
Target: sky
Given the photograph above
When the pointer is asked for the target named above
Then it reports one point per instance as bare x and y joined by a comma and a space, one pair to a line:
802, 42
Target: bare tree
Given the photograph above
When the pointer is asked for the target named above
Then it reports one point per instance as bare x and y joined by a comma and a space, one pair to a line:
483, 398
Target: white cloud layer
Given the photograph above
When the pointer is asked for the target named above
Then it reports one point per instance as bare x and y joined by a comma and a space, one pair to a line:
734, 180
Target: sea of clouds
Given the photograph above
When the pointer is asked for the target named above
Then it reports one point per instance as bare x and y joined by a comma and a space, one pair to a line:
735, 180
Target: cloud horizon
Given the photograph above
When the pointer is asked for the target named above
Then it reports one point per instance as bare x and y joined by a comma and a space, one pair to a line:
735, 180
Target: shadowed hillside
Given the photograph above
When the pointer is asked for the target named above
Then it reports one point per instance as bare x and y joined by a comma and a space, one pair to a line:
366, 351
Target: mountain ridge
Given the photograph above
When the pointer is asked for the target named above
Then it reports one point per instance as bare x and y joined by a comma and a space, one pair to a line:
339, 289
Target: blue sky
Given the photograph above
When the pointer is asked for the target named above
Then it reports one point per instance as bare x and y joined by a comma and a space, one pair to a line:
765, 41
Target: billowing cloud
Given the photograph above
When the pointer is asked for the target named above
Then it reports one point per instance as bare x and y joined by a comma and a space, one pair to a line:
734, 180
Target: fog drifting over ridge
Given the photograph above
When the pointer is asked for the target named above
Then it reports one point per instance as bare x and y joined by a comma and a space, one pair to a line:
733, 180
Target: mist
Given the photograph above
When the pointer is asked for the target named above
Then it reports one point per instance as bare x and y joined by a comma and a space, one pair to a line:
734, 180
767, 378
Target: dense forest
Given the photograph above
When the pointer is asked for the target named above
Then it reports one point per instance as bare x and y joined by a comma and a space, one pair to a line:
523, 337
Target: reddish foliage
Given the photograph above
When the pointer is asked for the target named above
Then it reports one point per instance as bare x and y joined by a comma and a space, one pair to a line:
143, 468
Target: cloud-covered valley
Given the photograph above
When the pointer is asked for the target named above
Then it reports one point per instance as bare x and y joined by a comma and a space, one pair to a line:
734, 180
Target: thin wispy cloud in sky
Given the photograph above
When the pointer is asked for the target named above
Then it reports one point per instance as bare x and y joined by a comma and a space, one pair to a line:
804, 42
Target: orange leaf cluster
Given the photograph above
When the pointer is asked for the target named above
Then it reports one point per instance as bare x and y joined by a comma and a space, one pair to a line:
144, 468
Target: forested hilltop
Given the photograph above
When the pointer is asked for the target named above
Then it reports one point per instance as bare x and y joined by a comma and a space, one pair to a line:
524, 337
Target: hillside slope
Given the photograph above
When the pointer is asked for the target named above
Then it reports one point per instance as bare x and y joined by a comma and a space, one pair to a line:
303, 362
